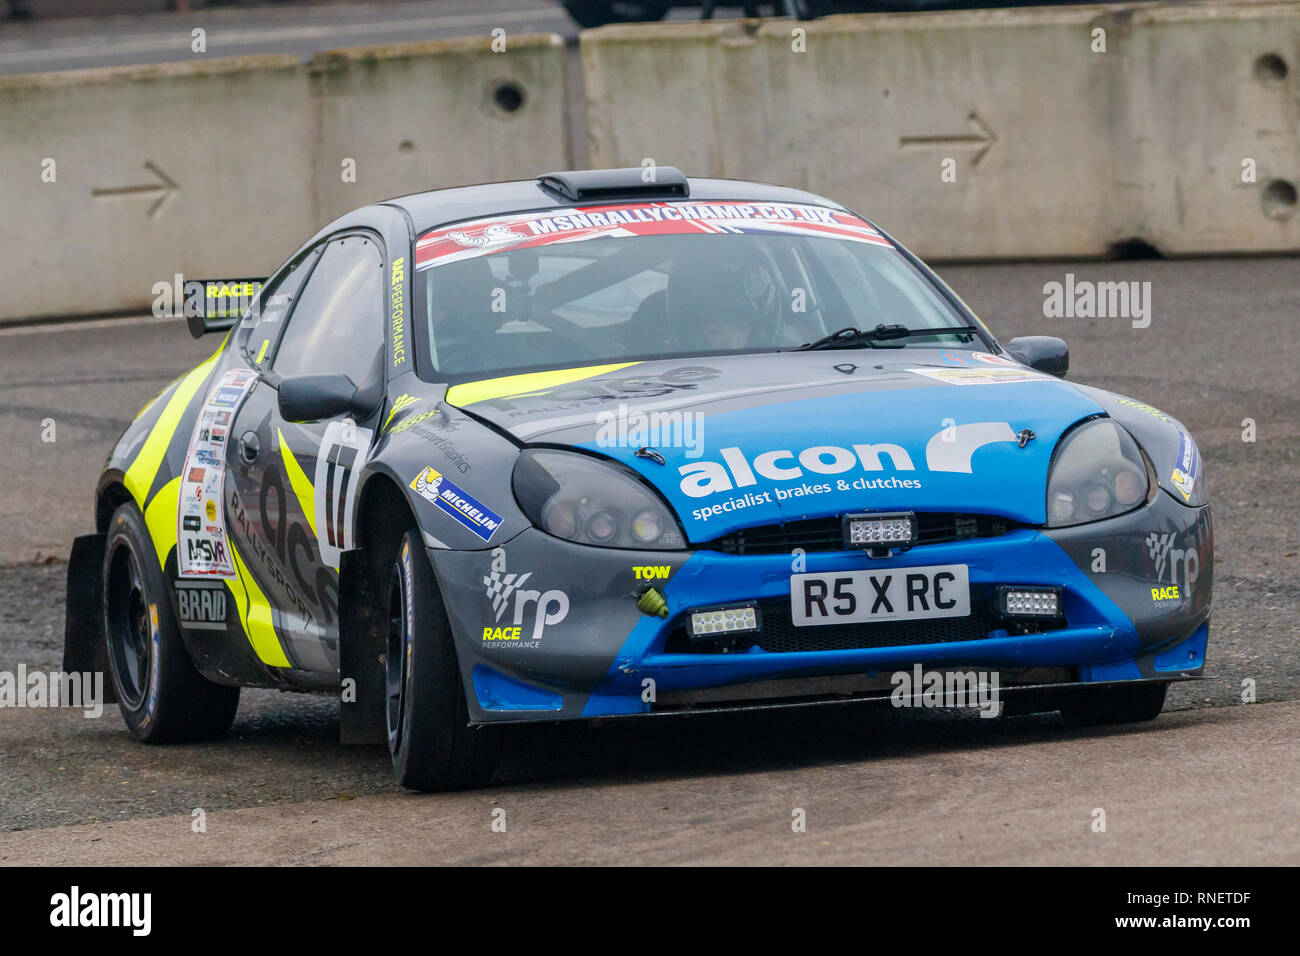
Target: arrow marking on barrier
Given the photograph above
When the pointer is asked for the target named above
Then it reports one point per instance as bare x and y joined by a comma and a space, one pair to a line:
164, 189
983, 138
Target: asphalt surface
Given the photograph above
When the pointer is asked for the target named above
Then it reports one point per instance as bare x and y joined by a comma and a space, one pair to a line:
1211, 781
80, 43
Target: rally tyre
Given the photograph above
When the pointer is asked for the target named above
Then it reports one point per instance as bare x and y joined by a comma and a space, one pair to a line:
163, 698
1092, 706
429, 736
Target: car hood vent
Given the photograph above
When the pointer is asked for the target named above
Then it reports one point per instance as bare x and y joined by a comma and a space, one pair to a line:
590, 184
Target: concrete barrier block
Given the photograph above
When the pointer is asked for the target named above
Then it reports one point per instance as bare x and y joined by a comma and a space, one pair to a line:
440, 113
117, 178
1015, 133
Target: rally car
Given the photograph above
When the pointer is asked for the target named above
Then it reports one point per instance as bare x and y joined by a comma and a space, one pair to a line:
619, 442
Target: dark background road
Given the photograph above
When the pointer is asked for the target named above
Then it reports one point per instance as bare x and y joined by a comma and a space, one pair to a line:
1221, 348
79, 43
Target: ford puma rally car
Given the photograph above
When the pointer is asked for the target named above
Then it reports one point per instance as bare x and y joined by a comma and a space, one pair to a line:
590, 446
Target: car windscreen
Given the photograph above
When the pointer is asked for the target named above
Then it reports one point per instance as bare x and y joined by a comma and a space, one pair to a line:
582, 286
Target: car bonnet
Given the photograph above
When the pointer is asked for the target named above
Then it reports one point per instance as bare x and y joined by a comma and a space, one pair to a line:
758, 439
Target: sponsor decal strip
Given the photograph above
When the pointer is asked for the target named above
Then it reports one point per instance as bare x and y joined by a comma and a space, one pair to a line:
298, 480
398, 307
203, 549
255, 615
981, 376
140, 475
160, 519
511, 386
1184, 475
487, 236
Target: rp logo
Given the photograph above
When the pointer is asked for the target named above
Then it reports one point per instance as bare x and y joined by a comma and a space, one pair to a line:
503, 588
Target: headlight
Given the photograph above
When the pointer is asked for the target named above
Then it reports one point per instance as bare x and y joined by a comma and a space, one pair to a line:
1099, 472
594, 502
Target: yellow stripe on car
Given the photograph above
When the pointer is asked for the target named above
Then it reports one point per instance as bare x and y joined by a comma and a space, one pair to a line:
511, 386
255, 614
160, 519
139, 477
301, 484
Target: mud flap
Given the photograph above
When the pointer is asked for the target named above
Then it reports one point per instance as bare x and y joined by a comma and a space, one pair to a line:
362, 639
84, 650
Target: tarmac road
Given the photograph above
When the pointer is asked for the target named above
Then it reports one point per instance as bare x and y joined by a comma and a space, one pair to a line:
1211, 781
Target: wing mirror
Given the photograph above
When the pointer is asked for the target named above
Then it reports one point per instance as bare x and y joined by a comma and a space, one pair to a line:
1046, 353
312, 398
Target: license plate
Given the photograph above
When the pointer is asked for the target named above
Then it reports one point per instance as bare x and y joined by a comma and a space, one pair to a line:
884, 594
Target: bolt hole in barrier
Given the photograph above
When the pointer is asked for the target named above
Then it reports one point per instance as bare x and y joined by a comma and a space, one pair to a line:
508, 96
1270, 69
1133, 248
1279, 199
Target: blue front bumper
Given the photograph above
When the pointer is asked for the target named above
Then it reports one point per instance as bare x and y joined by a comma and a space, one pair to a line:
605, 657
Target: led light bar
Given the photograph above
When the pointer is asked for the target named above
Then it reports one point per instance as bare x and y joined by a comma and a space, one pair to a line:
721, 621
880, 532
1029, 602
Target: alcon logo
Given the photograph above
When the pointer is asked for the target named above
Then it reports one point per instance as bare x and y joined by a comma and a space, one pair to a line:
948, 450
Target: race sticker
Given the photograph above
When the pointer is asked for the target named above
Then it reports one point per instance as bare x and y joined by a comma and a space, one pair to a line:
487, 236
201, 546
979, 376
342, 454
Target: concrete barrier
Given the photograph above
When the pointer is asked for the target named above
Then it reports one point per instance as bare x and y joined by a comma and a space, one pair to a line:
118, 178
1029, 132
443, 113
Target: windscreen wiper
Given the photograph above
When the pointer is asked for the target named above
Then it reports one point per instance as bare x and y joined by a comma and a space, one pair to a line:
851, 337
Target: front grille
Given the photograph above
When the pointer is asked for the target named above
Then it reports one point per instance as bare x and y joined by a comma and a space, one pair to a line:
778, 634
824, 534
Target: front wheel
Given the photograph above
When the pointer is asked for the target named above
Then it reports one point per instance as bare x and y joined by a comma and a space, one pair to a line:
163, 698
429, 736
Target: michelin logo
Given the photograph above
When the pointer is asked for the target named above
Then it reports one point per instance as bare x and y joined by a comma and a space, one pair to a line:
1184, 476
473, 514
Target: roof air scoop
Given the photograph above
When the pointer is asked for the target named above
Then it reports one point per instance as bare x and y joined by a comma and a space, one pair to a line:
584, 185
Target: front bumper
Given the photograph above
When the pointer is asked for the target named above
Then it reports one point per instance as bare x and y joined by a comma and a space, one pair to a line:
550, 630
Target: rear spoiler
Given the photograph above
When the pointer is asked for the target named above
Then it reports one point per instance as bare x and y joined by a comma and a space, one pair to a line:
215, 305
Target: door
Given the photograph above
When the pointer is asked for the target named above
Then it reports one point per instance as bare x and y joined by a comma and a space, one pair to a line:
293, 487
